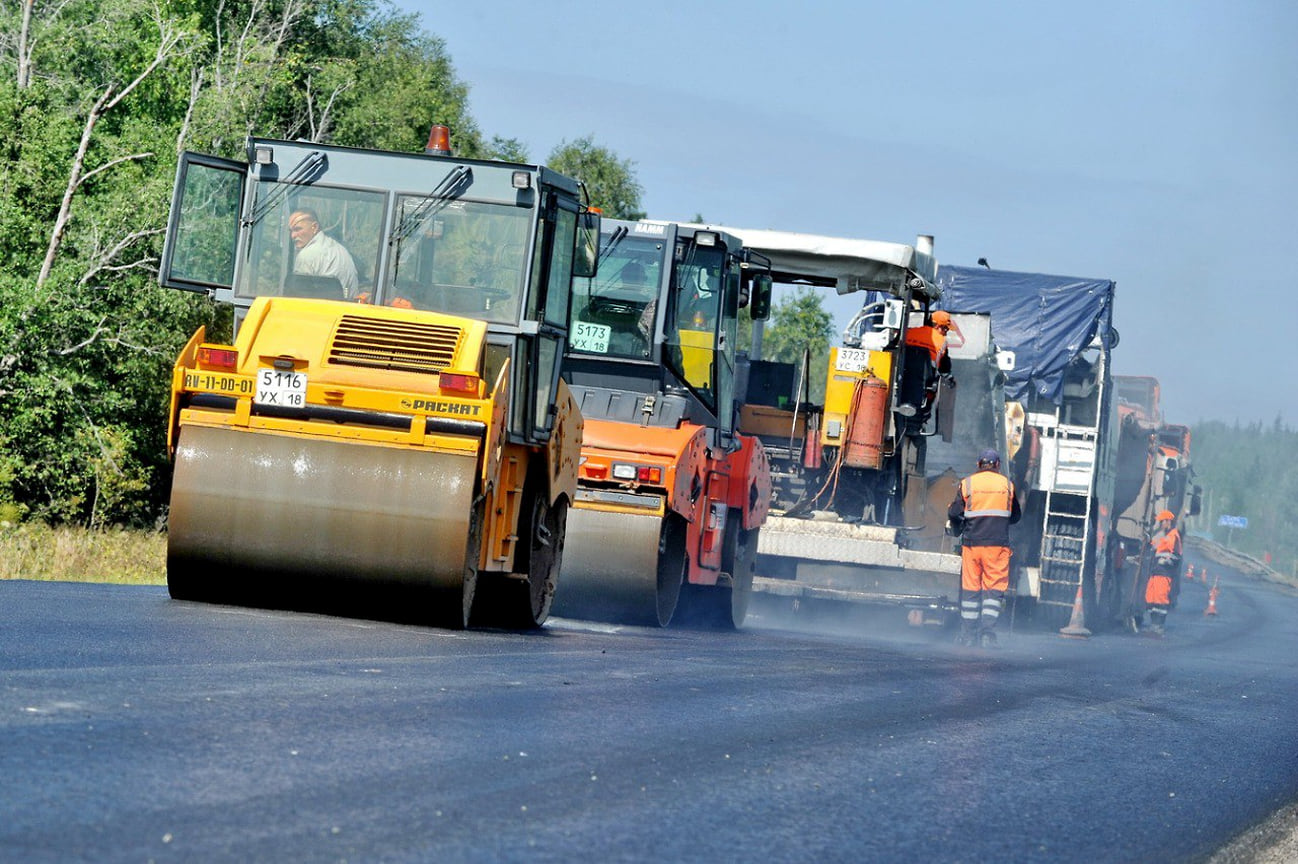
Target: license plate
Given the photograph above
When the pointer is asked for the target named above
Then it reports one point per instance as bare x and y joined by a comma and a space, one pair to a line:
852, 360
590, 337
284, 389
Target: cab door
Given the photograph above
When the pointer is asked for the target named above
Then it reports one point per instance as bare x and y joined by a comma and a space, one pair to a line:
202, 240
552, 334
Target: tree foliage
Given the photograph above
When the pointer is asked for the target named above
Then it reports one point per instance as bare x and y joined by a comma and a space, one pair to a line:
800, 325
1247, 471
610, 181
97, 100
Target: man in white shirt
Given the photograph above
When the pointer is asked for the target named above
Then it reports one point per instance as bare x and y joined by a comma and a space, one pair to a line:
318, 254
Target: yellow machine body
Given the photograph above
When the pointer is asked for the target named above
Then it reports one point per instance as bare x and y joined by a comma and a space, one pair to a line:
373, 472
841, 384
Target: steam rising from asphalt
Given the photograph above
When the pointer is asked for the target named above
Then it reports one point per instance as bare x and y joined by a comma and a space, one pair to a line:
842, 620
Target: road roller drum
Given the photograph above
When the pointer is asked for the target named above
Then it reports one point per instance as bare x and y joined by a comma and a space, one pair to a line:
272, 519
621, 567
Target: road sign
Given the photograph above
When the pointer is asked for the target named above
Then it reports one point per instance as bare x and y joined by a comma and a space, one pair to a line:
1233, 521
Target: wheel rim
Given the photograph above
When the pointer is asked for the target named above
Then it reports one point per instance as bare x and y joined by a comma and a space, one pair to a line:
672, 565
741, 590
547, 551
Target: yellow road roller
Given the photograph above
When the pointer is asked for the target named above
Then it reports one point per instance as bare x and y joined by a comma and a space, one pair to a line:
387, 434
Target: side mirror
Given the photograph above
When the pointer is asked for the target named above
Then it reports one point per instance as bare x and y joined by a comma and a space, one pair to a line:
585, 260
759, 299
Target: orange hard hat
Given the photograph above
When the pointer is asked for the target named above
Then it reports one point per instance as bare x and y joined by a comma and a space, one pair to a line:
1164, 515
941, 319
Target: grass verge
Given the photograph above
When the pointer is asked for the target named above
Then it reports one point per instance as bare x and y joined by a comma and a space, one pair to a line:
70, 554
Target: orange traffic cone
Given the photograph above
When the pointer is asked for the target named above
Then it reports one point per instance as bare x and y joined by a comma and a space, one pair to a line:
1076, 628
1212, 601
1189, 572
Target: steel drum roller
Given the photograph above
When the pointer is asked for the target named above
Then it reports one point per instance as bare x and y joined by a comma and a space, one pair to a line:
610, 569
304, 508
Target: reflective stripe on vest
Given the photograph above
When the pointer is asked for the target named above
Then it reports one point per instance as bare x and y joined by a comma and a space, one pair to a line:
983, 492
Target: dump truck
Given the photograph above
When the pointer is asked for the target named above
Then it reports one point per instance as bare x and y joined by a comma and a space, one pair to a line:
1062, 424
1153, 474
387, 434
670, 496
852, 514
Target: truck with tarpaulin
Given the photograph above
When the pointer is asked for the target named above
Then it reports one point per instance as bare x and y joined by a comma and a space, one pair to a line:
1062, 429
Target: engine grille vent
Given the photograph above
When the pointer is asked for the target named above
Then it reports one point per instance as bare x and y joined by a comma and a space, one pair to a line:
397, 345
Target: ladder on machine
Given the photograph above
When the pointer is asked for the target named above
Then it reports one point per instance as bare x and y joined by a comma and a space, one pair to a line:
1066, 534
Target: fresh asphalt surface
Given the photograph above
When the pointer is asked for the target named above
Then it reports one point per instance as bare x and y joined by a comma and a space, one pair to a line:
137, 728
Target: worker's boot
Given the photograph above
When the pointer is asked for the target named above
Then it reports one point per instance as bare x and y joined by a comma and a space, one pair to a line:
966, 635
987, 639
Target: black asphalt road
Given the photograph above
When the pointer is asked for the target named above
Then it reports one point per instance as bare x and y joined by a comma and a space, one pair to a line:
136, 728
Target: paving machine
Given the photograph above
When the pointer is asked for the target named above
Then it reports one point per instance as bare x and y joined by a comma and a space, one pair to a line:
854, 518
1063, 416
670, 497
387, 433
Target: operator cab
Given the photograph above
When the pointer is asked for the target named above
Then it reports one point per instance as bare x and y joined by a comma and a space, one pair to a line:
474, 239
658, 326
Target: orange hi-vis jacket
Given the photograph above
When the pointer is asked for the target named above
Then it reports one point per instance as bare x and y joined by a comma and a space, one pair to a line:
988, 506
1168, 544
929, 338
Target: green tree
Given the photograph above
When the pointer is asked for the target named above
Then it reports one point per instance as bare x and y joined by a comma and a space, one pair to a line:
800, 325
506, 149
1242, 475
97, 99
610, 181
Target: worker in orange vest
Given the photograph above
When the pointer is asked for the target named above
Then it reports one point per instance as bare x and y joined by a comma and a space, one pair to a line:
919, 386
932, 337
1164, 580
984, 508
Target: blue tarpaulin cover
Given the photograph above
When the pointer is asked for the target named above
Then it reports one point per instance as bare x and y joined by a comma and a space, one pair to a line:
1045, 320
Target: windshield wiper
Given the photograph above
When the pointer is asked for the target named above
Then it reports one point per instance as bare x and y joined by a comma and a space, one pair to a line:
618, 235
452, 186
304, 173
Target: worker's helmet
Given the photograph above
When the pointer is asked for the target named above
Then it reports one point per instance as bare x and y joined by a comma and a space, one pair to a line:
941, 319
1165, 516
989, 459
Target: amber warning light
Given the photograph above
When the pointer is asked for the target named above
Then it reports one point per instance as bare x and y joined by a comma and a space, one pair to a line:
439, 141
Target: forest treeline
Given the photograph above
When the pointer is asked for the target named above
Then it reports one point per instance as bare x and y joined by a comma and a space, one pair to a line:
1245, 471
97, 100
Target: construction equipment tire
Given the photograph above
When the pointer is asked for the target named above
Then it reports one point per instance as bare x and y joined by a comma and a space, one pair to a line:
522, 600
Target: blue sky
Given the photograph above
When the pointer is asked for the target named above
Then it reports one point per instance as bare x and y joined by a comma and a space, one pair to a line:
1151, 143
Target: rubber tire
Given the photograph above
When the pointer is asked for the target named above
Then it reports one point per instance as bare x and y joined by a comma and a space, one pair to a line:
673, 566
724, 607
512, 603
